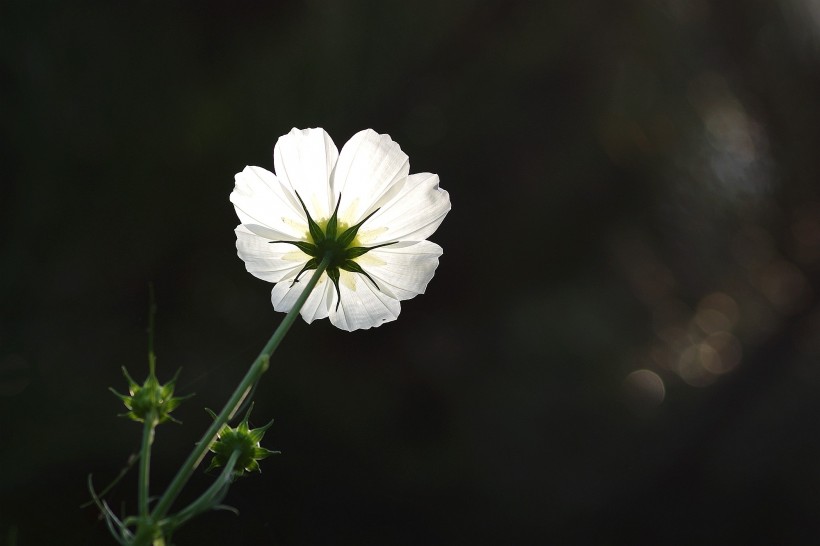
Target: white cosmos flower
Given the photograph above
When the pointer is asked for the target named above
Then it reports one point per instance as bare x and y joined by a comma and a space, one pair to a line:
386, 260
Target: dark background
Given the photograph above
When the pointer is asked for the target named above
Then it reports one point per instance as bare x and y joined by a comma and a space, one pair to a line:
634, 188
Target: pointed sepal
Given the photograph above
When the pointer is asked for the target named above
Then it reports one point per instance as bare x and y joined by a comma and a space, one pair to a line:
151, 399
307, 248
353, 267
316, 232
346, 238
243, 440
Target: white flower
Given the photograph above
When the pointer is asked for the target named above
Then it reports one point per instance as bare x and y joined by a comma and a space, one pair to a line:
362, 205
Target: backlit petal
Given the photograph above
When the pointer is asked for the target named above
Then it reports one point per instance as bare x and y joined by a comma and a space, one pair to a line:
363, 305
403, 269
368, 166
283, 296
260, 199
269, 262
412, 214
304, 159
325, 297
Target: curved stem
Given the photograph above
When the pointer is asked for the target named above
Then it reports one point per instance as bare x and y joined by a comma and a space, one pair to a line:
259, 366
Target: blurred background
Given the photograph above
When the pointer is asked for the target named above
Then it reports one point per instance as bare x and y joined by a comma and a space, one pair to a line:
620, 345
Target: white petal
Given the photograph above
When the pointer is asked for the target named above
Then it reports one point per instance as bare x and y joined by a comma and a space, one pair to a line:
285, 294
403, 269
412, 214
304, 159
271, 262
320, 301
368, 166
260, 199
363, 305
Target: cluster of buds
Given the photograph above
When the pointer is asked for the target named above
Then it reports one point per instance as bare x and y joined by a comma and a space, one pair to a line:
157, 400
237, 450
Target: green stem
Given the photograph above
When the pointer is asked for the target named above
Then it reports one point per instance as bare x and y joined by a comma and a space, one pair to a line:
151, 420
145, 462
208, 498
259, 366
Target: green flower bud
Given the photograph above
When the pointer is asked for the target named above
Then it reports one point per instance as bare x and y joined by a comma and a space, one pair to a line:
150, 398
242, 439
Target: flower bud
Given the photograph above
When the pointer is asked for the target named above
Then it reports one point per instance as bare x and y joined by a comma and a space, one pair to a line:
150, 398
243, 439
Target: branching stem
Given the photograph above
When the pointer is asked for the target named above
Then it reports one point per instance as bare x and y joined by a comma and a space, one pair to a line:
259, 366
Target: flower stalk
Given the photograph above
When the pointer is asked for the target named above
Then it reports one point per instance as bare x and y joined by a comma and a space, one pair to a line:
148, 428
390, 261
151, 420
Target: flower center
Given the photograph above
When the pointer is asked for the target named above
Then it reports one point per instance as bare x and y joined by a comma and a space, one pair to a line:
337, 241
333, 246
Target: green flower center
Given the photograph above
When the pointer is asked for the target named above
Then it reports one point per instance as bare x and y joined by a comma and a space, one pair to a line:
334, 247
336, 240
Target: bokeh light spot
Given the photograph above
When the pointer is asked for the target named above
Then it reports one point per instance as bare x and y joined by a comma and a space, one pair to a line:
690, 367
716, 312
784, 285
645, 388
721, 352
